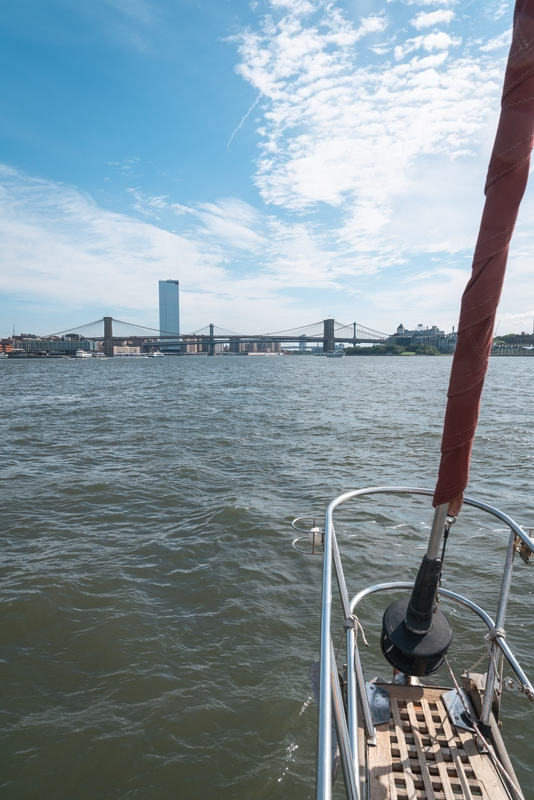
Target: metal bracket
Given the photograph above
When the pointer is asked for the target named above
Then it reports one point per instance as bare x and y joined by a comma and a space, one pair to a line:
314, 536
456, 709
524, 552
513, 686
520, 688
378, 702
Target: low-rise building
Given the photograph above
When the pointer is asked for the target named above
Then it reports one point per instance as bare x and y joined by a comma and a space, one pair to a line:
433, 337
126, 350
53, 345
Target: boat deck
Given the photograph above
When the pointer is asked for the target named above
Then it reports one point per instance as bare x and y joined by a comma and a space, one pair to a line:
421, 755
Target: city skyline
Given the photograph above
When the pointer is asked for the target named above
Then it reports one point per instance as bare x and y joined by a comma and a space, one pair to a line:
297, 158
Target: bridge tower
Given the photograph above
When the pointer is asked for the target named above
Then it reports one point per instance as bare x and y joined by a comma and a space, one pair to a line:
211, 351
108, 336
329, 344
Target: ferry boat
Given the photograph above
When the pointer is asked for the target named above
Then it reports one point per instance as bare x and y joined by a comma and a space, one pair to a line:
156, 354
83, 354
407, 738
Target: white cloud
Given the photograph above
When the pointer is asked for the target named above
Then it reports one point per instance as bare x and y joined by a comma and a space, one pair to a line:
431, 2
380, 49
432, 41
365, 140
503, 40
373, 24
426, 20
340, 134
364, 168
300, 7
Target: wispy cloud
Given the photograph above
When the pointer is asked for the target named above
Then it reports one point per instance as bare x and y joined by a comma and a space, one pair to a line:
138, 9
147, 205
503, 40
497, 9
252, 107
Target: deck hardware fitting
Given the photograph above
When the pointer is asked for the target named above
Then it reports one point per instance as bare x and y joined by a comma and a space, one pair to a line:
379, 703
524, 551
456, 709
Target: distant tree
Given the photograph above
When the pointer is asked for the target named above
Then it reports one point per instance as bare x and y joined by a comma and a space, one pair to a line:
361, 351
426, 350
378, 350
516, 338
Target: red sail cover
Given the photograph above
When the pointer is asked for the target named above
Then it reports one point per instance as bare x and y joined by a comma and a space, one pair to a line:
505, 185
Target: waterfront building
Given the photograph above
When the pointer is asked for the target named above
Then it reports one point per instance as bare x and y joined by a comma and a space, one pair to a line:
66, 346
434, 337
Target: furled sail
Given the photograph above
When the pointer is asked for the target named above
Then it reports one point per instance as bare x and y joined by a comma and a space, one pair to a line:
505, 185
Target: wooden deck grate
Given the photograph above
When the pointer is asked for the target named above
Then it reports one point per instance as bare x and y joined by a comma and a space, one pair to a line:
421, 755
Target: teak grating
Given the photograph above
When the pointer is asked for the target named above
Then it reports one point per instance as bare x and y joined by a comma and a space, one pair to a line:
421, 755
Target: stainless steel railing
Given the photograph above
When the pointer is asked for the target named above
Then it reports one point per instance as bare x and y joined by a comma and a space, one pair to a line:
330, 700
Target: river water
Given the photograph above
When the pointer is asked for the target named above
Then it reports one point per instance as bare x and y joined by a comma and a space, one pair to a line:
156, 625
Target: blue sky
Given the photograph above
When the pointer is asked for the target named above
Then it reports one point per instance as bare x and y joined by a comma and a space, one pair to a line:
286, 160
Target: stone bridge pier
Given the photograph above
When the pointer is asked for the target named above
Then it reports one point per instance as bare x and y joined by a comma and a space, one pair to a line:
108, 336
329, 344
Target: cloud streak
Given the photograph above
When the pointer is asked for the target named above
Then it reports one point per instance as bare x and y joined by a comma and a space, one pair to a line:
252, 107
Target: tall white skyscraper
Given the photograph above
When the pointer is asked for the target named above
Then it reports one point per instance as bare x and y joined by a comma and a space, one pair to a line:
169, 307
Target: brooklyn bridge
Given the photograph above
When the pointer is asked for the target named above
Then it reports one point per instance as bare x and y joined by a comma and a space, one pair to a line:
212, 339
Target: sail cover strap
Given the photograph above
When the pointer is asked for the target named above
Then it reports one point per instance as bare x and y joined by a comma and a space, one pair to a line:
505, 185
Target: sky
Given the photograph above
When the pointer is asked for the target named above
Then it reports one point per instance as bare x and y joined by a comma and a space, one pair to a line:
285, 160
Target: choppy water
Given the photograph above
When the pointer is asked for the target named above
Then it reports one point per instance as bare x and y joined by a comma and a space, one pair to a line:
156, 626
